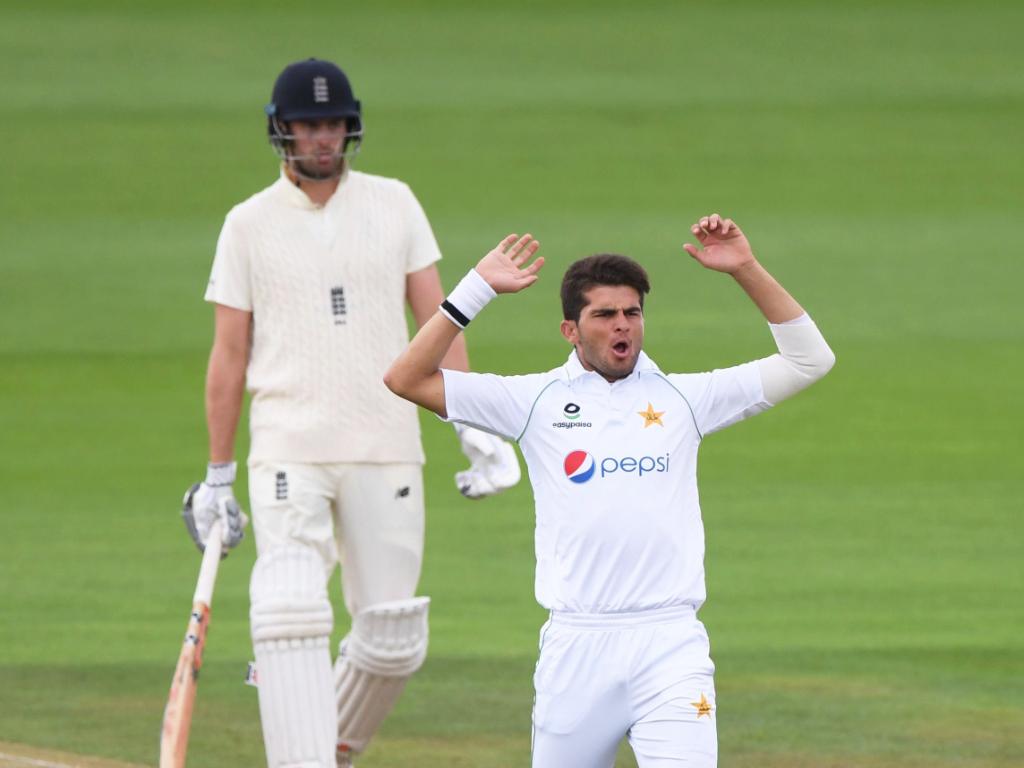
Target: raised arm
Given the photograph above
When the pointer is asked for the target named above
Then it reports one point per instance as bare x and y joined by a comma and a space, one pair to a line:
416, 373
423, 293
804, 355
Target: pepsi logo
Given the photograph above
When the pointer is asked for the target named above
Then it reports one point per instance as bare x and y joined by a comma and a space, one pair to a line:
579, 466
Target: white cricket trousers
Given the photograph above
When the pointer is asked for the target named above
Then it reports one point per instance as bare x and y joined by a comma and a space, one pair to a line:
647, 675
367, 517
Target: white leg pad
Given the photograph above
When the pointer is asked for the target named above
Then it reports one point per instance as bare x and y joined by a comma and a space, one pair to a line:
291, 622
387, 644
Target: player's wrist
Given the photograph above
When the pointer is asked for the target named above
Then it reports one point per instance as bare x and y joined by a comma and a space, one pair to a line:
220, 473
467, 299
746, 270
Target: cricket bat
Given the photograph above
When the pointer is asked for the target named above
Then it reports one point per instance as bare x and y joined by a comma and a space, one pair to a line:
178, 713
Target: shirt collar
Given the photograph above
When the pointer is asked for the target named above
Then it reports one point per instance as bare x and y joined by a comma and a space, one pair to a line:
575, 368
294, 195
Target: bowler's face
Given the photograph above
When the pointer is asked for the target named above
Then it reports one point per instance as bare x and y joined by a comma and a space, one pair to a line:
610, 331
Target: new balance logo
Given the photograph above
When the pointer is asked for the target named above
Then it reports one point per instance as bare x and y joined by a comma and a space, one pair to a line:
281, 489
338, 305
320, 94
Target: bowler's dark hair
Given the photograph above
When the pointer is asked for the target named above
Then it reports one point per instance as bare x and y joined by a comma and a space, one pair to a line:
600, 269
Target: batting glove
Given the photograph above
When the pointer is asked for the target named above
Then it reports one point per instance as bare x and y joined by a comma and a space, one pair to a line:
493, 466
213, 500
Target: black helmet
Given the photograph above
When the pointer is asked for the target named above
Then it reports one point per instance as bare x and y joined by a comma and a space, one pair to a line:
313, 89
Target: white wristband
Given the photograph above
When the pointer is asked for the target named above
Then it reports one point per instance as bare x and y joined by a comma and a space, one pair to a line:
220, 474
469, 297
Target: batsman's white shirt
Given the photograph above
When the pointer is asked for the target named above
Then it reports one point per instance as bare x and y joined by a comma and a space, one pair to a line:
614, 473
326, 286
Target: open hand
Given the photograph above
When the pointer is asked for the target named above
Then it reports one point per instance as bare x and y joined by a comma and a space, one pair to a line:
725, 247
506, 269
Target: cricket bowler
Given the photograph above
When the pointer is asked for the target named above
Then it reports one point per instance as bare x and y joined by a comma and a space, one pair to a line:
611, 443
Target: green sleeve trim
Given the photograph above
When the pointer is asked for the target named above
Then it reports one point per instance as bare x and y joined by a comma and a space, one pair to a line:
534, 405
688, 406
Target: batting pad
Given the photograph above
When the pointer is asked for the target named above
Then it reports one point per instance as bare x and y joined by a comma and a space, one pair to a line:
291, 622
387, 644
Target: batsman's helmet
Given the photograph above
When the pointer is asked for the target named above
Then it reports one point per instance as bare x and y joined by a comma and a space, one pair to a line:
313, 89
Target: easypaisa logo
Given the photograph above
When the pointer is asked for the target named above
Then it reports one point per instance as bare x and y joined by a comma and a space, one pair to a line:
580, 466
571, 411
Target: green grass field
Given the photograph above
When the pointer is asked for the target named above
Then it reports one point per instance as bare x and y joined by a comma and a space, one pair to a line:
865, 549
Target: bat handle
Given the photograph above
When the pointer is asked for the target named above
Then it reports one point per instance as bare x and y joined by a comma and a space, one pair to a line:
208, 569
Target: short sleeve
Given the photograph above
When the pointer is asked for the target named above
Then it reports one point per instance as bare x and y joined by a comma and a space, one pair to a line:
723, 396
498, 404
422, 248
229, 279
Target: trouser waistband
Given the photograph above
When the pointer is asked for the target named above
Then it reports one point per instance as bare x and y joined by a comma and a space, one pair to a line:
621, 619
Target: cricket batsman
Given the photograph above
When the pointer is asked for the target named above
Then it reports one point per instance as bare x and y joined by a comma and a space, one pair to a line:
611, 442
310, 283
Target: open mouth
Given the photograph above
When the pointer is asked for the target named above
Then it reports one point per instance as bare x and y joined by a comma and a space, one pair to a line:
620, 349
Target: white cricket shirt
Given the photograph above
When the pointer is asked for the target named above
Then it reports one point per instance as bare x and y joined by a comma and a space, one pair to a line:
614, 473
326, 287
